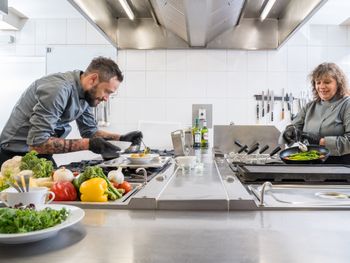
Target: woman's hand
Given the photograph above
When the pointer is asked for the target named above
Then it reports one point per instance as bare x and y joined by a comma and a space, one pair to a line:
312, 138
291, 134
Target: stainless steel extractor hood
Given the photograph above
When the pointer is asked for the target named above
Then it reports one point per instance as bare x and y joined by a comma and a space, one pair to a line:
213, 24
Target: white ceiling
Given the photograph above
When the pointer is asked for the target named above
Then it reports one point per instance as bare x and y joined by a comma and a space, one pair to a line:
45, 8
334, 12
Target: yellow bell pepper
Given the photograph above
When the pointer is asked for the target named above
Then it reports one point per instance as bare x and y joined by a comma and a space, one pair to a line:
94, 190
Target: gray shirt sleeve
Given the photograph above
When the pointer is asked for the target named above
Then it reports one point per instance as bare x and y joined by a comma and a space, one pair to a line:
340, 145
52, 101
298, 122
332, 125
87, 124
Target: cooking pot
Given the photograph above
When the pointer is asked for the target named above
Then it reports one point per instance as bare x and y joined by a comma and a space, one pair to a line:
289, 151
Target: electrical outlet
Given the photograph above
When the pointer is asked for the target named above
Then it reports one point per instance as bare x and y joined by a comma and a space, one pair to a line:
202, 115
202, 111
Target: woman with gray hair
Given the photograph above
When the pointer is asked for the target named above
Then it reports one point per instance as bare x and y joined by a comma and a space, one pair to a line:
325, 120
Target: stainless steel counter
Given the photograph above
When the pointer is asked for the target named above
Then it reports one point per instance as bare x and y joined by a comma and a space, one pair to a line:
126, 236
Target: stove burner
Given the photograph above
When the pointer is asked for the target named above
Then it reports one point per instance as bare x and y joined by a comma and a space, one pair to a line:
130, 174
80, 166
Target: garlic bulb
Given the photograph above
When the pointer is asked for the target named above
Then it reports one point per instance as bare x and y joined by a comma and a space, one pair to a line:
63, 174
116, 176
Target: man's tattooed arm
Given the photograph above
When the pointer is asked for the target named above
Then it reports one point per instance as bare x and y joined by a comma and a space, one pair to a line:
59, 145
107, 135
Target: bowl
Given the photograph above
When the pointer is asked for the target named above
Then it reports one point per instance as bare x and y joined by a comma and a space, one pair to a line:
186, 161
140, 158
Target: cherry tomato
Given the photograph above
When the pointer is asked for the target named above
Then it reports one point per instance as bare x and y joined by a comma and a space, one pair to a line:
125, 185
64, 191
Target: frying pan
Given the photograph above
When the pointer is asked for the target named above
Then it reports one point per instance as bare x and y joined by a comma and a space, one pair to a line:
321, 149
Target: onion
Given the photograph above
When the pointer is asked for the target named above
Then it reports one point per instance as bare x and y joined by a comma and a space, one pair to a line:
63, 174
116, 176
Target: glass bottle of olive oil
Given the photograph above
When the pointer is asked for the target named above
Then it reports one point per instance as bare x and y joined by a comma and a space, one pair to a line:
196, 131
204, 135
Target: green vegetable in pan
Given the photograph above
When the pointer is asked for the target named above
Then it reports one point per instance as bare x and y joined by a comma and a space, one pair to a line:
305, 156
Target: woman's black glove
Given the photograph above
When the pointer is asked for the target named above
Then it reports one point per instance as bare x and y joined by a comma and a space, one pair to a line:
312, 138
106, 149
291, 134
134, 137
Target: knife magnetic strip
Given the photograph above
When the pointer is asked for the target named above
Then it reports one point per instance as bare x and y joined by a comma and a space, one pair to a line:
286, 98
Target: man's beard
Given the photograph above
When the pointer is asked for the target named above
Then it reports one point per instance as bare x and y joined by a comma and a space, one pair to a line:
90, 98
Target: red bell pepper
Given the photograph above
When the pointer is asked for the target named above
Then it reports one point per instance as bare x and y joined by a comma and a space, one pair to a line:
64, 191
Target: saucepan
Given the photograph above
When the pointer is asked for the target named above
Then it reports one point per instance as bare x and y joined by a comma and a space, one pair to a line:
315, 154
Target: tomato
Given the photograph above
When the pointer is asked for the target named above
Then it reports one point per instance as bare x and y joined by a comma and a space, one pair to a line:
64, 191
75, 174
125, 185
114, 184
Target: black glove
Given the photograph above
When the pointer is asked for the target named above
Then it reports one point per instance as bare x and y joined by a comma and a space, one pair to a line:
134, 137
312, 138
291, 134
106, 149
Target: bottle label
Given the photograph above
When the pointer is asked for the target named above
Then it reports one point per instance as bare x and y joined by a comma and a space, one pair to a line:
197, 138
205, 136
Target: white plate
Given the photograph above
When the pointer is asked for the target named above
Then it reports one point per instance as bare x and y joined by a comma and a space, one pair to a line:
142, 160
76, 214
125, 163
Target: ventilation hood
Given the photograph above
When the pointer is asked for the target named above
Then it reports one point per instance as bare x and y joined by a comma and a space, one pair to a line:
212, 24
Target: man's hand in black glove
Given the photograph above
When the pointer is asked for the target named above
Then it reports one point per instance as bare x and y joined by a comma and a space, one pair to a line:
106, 149
312, 138
134, 137
291, 134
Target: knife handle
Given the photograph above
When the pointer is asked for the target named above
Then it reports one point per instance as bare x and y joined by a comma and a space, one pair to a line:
239, 144
253, 149
243, 148
263, 149
274, 151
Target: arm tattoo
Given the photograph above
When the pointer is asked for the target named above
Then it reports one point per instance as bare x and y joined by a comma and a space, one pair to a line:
59, 145
107, 135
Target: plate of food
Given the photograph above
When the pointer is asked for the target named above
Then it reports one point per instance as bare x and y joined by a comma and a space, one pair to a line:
39, 223
141, 158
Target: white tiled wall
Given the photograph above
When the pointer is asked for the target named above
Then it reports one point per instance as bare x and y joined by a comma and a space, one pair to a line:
24, 61
162, 85
176, 79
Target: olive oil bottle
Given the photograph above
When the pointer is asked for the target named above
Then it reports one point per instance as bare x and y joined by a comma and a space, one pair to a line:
204, 135
196, 131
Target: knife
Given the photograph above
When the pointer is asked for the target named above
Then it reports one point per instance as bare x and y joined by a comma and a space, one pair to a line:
272, 104
291, 106
282, 112
287, 100
268, 102
257, 111
262, 104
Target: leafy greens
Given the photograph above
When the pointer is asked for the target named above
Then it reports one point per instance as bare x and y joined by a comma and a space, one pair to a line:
28, 220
